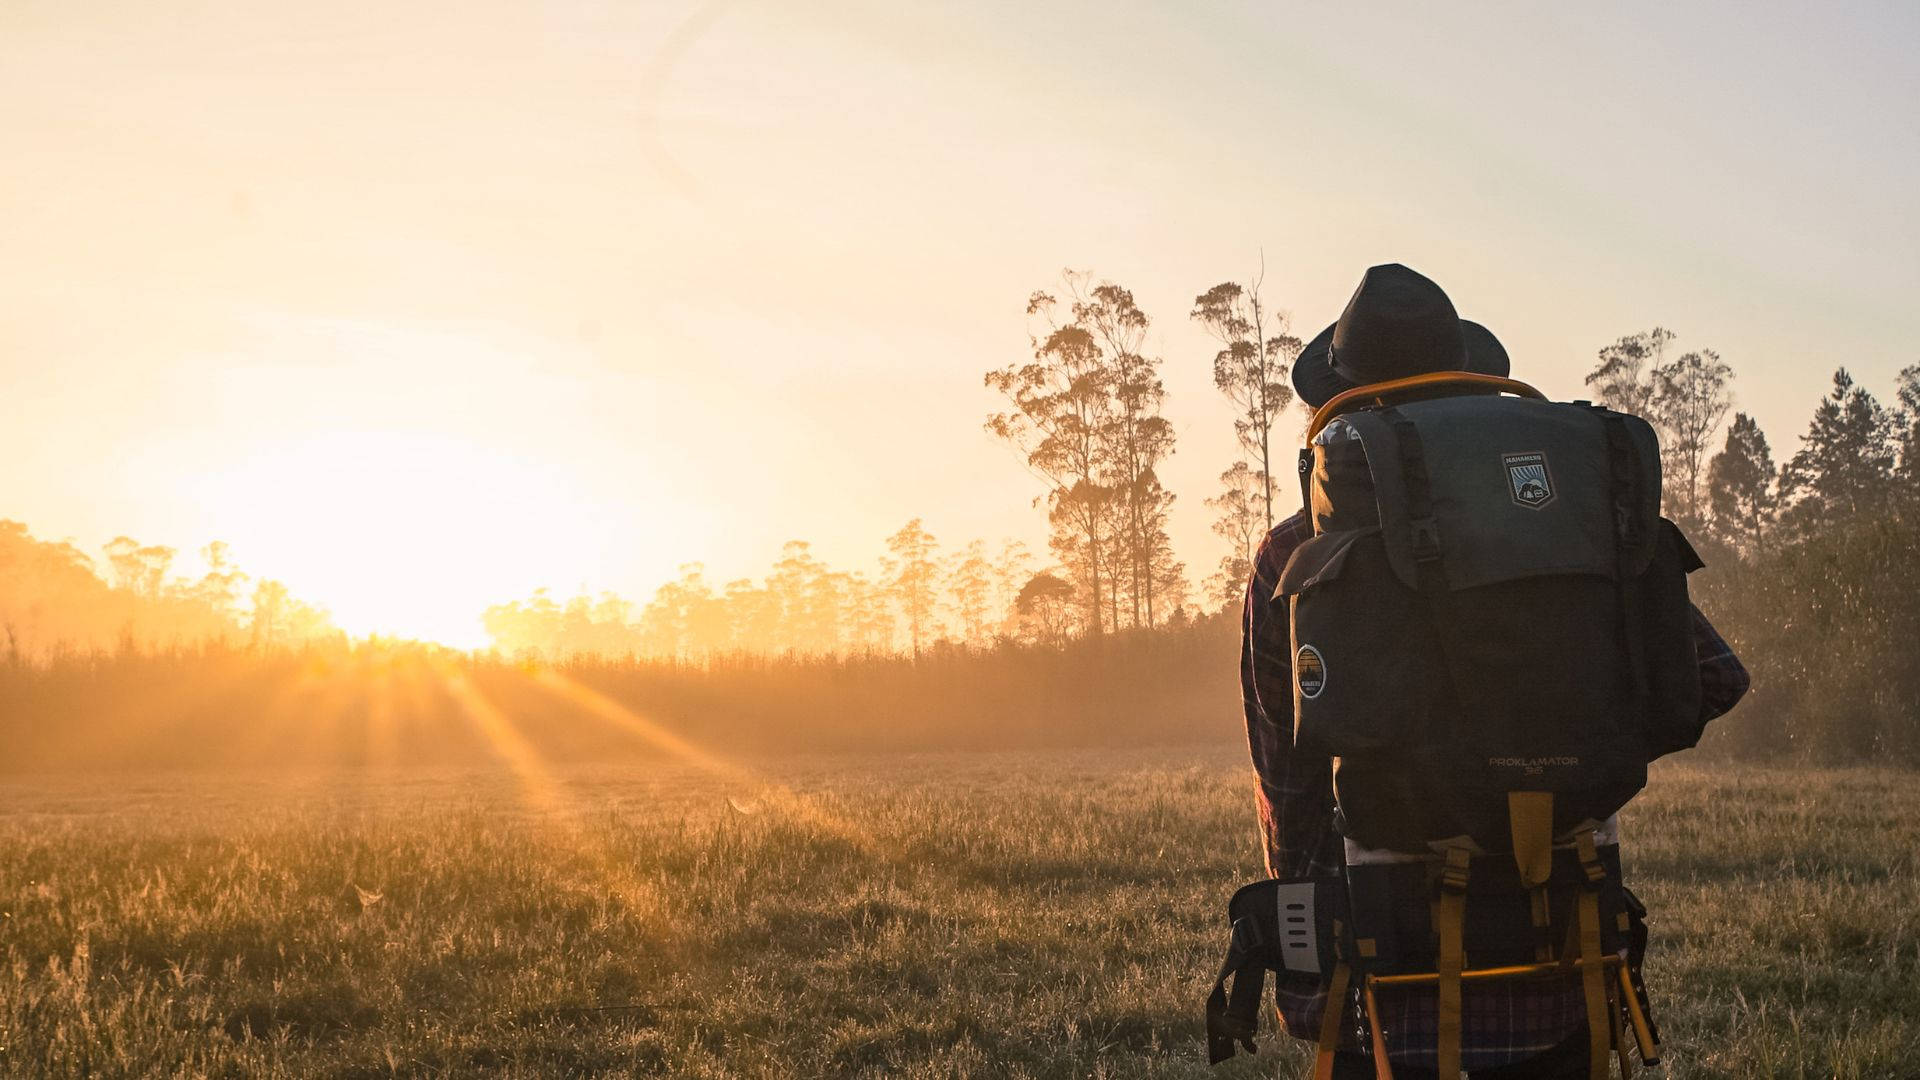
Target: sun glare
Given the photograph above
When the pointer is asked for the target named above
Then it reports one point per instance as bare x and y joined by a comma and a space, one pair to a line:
403, 534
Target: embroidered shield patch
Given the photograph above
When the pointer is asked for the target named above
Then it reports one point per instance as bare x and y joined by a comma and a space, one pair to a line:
1528, 480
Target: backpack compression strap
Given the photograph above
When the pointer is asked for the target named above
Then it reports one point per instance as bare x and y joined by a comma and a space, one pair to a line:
1627, 540
1592, 963
1452, 918
1530, 820
1234, 1016
1634, 983
1330, 1018
1424, 540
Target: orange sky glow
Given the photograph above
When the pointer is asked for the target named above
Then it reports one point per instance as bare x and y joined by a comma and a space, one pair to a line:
423, 306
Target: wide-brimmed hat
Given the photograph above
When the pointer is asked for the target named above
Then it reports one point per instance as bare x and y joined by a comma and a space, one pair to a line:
1398, 323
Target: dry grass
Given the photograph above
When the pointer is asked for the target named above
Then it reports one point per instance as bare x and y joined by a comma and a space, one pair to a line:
1037, 914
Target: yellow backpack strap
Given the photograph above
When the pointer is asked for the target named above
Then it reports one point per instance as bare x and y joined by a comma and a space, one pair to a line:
1633, 983
1453, 917
1643, 1032
1592, 963
1330, 1022
1622, 1044
1530, 817
1382, 1066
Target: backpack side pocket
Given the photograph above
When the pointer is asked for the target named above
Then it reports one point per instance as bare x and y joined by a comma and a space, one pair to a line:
1365, 662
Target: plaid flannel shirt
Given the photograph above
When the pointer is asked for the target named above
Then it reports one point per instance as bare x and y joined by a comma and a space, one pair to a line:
1504, 1022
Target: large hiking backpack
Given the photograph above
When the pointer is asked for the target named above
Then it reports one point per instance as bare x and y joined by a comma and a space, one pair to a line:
1491, 639
1490, 603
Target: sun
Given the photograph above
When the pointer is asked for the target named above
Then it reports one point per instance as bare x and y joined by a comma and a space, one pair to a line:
407, 534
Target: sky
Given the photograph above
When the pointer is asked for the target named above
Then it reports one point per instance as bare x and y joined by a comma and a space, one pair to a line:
421, 306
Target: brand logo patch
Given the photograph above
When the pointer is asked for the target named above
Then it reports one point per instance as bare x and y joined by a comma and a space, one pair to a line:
1309, 671
1528, 480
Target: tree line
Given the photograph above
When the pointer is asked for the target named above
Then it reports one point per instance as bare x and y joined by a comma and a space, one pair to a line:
54, 598
916, 595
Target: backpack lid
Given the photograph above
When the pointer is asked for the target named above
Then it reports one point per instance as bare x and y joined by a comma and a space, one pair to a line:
1517, 488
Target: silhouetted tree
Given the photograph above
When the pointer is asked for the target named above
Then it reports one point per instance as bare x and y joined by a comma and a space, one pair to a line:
138, 568
1690, 403
808, 598
870, 614
1011, 569
753, 617
1042, 606
1844, 470
685, 619
1141, 438
1251, 368
219, 588
970, 589
1624, 378
1907, 392
51, 597
1169, 574
1063, 406
280, 619
1740, 482
914, 579
1239, 519
1685, 400
529, 627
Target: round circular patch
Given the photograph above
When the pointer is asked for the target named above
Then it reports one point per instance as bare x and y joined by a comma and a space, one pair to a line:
1309, 671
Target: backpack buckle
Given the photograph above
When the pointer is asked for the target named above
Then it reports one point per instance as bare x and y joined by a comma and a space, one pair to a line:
1426, 539
1626, 524
1589, 856
1246, 935
1453, 875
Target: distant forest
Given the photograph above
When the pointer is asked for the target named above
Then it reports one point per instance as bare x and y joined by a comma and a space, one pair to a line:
1813, 569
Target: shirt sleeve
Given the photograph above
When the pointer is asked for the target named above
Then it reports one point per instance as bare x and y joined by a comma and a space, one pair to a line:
1723, 678
1293, 791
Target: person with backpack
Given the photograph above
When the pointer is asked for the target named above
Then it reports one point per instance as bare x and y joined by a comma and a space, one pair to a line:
1457, 660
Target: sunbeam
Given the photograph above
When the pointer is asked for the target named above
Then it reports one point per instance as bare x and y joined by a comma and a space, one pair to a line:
791, 804
613, 874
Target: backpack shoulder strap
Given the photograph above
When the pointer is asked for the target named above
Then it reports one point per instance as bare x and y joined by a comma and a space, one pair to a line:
1381, 440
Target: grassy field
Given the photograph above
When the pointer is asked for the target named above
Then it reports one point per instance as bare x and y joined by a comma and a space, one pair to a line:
1033, 914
